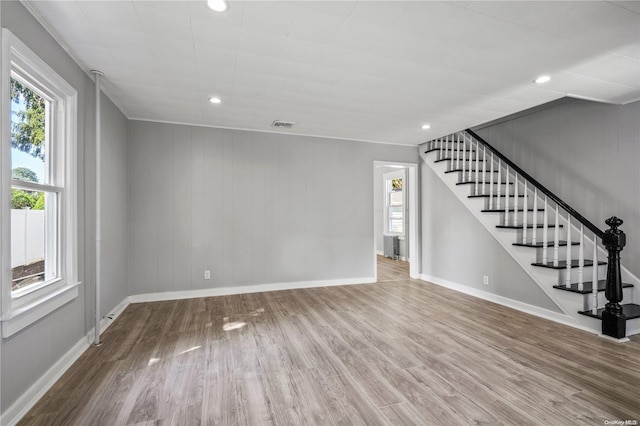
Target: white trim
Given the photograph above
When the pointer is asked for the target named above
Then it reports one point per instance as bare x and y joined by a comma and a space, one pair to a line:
387, 177
108, 319
591, 99
613, 339
633, 330
505, 301
16, 56
19, 318
259, 288
413, 218
27, 400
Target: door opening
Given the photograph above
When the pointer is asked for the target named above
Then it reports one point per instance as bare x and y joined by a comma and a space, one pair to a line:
395, 213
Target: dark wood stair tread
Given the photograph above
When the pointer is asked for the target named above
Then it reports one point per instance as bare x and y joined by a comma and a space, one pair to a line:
451, 159
495, 195
540, 244
562, 264
444, 149
538, 226
630, 310
587, 287
502, 210
464, 170
482, 183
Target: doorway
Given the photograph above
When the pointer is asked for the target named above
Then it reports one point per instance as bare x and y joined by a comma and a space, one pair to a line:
396, 211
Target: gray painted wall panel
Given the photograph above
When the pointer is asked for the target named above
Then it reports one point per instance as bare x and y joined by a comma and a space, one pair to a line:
114, 206
271, 208
587, 153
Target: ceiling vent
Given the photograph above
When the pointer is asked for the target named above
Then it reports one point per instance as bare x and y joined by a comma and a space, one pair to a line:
282, 124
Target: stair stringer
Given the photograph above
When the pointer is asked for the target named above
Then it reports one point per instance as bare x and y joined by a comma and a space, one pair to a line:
569, 303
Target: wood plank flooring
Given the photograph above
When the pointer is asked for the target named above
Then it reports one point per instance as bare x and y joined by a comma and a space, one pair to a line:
396, 352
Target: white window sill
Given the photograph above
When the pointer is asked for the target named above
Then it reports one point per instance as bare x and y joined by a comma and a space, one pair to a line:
26, 315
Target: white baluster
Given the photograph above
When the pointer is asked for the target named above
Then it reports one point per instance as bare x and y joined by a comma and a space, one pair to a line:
506, 198
567, 278
515, 200
556, 237
465, 163
491, 201
460, 151
594, 279
484, 170
465, 155
477, 165
581, 260
470, 162
499, 183
441, 149
545, 228
454, 152
534, 232
446, 152
524, 215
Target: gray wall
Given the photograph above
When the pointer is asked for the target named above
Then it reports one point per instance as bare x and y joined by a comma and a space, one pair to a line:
587, 153
27, 355
254, 208
457, 248
114, 189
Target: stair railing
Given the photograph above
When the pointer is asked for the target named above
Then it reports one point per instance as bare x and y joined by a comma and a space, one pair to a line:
479, 162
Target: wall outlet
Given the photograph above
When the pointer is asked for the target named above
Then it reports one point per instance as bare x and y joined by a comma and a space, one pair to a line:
207, 275
485, 280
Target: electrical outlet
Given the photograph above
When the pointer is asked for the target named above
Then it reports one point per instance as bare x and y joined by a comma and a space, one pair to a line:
207, 275
485, 280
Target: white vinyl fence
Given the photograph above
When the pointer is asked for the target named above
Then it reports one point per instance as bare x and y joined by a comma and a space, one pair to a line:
27, 236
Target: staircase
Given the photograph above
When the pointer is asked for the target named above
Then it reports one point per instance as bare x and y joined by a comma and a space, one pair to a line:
557, 247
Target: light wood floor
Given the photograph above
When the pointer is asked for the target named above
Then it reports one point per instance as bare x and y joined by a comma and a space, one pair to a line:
396, 352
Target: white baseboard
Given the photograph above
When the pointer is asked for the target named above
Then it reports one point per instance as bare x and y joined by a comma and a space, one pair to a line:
27, 400
613, 339
260, 288
108, 319
505, 301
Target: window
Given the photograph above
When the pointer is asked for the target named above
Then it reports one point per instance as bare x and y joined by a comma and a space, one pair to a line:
39, 254
394, 202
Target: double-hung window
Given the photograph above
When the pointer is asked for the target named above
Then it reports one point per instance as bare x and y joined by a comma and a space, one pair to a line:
394, 202
38, 207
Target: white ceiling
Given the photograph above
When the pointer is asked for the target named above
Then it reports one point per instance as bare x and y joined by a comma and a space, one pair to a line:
365, 70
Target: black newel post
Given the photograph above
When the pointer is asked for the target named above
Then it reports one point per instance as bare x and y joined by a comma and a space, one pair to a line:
613, 319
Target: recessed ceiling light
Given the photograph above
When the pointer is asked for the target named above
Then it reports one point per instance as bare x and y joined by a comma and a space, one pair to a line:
542, 79
425, 126
218, 5
215, 100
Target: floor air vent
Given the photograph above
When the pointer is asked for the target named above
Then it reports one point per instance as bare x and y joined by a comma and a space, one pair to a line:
282, 124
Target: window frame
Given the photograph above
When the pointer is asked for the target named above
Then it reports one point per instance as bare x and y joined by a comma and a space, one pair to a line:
388, 178
22, 308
